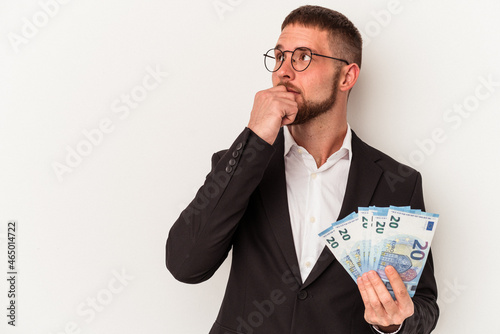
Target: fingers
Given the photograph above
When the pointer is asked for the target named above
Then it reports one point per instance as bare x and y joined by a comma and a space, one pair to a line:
404, 302
272, 109
370, 315
378, 297
289, 111
382, 292
380, 308
281, 91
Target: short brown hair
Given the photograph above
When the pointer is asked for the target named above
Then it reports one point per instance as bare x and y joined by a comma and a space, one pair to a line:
343, 33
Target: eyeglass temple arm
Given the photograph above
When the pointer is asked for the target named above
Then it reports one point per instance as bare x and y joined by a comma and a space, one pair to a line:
342, 60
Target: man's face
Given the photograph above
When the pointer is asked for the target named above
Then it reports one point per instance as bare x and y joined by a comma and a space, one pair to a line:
315, 88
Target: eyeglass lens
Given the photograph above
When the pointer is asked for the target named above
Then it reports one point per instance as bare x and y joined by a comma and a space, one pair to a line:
301, 58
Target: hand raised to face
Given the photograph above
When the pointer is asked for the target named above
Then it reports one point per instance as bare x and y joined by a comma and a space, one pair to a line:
272, 108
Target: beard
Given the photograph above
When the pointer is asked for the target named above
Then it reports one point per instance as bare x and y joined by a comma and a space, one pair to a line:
310, 110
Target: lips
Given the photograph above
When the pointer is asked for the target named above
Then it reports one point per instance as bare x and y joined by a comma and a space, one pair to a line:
290, 88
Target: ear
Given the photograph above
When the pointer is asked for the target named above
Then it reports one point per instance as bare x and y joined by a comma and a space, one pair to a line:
349, 77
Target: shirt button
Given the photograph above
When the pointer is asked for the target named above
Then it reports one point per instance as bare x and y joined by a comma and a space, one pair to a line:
312, 219
299, 151
308, 264
314, 175
302, 295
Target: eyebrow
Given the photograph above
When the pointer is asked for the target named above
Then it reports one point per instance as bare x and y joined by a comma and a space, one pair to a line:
280, 46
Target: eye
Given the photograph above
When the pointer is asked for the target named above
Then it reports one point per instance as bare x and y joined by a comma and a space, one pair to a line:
279, 56
305, 57
302, 55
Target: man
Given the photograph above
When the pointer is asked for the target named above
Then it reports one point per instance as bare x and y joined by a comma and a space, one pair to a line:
295, 169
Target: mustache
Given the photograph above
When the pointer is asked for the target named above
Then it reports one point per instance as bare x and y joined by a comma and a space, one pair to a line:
289, 86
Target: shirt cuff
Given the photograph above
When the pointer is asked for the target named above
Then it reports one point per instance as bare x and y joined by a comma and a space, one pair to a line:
378, 330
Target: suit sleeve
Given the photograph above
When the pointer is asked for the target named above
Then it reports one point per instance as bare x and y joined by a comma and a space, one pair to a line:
201, 238
426, 311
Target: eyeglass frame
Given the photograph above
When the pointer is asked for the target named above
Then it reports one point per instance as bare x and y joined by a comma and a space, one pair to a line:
300, 47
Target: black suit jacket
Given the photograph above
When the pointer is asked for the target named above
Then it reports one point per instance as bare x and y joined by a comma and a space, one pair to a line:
243, 205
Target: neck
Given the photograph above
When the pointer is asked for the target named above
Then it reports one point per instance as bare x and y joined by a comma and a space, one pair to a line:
321, 136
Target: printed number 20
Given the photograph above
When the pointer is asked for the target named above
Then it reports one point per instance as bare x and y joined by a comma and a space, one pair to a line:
344, 234
332, 242
418, 254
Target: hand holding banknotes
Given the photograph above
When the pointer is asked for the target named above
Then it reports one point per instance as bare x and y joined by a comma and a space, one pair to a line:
380, 309
384, 250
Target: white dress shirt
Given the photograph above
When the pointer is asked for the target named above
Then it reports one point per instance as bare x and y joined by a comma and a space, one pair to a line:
315, 196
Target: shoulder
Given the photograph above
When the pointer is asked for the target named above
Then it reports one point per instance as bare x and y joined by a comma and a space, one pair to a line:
398, 184
362, 150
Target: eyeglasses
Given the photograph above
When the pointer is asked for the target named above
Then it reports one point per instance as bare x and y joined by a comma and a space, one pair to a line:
301, 59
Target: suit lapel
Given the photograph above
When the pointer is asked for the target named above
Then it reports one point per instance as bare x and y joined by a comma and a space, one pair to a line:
275, 202
363, 178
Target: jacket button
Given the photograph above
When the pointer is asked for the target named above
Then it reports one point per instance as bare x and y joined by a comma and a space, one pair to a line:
232, 162
239, 146
229, 169
236, 154
302, 295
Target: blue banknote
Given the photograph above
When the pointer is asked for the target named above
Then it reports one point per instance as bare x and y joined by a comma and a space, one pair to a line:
376, 237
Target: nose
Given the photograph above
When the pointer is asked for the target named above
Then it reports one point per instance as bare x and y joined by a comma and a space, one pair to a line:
286, 70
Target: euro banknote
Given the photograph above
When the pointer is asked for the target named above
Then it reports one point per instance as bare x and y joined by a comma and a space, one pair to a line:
376, 237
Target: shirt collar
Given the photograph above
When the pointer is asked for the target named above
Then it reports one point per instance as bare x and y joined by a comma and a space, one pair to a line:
289, 141
346, 144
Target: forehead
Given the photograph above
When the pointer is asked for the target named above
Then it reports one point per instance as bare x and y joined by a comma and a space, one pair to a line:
294, 36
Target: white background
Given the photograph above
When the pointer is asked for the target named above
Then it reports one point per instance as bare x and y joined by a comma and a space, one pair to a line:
111, 214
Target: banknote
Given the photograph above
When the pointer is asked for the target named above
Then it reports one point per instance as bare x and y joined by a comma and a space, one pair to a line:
377, 231
406, 245
365, 217
338, 239
376, 237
